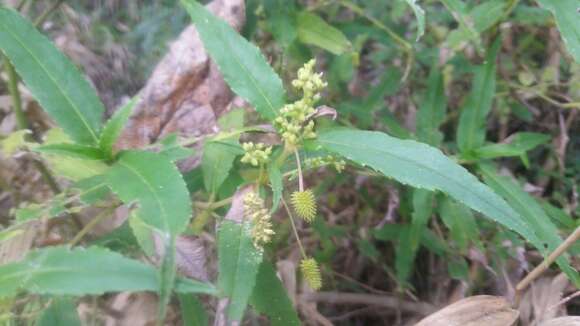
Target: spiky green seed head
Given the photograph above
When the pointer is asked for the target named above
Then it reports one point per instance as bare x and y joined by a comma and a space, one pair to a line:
311, 273
304, 203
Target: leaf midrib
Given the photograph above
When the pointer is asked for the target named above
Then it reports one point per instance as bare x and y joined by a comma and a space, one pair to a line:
75, 109
152, 190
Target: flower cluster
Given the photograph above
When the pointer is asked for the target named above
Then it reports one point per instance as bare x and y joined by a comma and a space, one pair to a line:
255, 211
292, 119
317, 162
304, 204
311, 273
256, 154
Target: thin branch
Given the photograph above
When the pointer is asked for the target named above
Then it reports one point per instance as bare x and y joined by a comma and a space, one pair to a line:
421, 308
523, 284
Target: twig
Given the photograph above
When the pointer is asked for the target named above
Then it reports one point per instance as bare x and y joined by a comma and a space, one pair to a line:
102, 215
421, 308
536, 272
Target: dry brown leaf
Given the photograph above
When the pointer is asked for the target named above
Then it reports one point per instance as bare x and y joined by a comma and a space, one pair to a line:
190, 256
562, 321
542, 294
481, 310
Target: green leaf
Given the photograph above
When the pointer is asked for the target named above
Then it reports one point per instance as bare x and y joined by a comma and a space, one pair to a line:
472, 121
466, 26
143, 233
92, 190
520, 143
173, 150
52, 78
192, 311
13, 142
460, 222
314, 30
61, 312
72, 168
432, 109
243, 66
156, 185
559, 216
533, 215
281, 20
419, 15
270, 298
410, 239
275, 177
217, 161
72, 150
566, 14
113, 127
423, 166
239, 262
76, 272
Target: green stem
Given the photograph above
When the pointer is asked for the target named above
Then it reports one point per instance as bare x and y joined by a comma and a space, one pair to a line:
302, 251
21, 120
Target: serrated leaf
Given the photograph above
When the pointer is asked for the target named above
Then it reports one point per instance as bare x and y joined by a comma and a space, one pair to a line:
314, 30
156, 185
472, 121
113, 127
432, 109
243, 66
423, 166
419, 15
239, 261
533, 215
72, 150
61, 271
217, 161
52, 78
61, 312
566, 14
270, 298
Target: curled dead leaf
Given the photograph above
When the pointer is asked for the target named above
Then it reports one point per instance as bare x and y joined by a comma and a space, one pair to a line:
481, 310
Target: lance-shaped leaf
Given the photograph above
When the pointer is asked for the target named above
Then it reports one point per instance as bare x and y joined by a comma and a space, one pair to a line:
567, 16
61, 271
114, 126
432, 109
243, 66
52, 78
423, 166
239, 261
533, 214
72, 150
472, 122
152, 181
314, 30
61, 312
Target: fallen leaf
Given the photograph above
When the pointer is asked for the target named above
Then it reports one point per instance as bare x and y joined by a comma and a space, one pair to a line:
481, 310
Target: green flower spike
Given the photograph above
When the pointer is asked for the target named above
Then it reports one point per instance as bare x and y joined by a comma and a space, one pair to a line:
311, 273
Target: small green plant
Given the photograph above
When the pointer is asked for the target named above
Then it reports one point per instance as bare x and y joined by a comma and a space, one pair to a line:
150, 184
